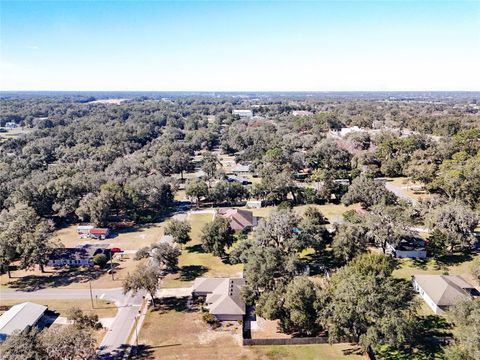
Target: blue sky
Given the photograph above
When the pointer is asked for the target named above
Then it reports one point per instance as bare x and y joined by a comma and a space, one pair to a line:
235, 46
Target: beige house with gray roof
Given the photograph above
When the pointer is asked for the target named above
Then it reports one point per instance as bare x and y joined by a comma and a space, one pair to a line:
442, 291
222, 296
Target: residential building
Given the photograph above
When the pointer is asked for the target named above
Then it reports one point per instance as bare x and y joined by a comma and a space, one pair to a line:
409, 247
254, 204
240, 220
222, 297
241, 169
442, 291
301, 113
84, 229
99, 233
77, 256
246, 114
238, 179
11, 125
19, 317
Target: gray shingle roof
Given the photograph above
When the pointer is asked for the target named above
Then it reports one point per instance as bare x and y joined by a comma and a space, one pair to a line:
444, 290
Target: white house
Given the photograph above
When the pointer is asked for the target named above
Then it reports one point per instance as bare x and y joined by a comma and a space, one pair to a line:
254, 204
244, 114
19, 317
442, 291
408, 247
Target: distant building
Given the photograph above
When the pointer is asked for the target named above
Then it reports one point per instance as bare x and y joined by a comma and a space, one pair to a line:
19, 317
11, 125
409, 247
84, 229
301, 113
240, 220
238, 179
442, 291
247, 114
241, 169
222, 296
77, 256
99, 233
254, 204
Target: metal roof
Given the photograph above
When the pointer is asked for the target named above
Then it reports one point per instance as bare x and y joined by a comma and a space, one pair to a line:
19, 316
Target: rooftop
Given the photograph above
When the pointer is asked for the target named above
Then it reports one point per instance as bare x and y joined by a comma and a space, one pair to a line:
19, 316
445, 290
224, 294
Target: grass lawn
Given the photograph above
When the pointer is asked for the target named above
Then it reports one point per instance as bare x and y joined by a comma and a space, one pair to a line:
456, 264
175, 332
103, 308
195, 262
75, 277
132, 239
13, 133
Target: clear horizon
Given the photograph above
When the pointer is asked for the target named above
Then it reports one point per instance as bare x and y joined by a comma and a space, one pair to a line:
323, 46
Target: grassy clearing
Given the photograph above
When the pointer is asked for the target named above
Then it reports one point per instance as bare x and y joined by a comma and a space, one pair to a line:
409, 187
174, 332
103, 308
13, 133
194, 262
456, 264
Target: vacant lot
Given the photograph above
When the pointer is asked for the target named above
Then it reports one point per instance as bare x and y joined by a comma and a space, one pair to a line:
13, 133
174, 332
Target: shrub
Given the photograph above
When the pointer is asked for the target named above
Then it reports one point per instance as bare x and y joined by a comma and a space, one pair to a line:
100, 260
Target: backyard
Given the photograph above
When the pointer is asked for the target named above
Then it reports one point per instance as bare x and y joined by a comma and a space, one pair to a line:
173, 329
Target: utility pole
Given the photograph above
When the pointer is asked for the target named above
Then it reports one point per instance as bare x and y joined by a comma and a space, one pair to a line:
91, 296
111, 265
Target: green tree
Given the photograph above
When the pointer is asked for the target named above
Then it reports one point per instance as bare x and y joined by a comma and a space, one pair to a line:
349, 241
456, 221
24, 345
180, 230
68, 342
368, 192
466, 317
100, 260
145, 277
365, 303
196, 189
217, 235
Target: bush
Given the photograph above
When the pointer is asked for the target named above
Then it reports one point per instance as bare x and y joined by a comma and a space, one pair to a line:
210, 319
81, 320
100, 260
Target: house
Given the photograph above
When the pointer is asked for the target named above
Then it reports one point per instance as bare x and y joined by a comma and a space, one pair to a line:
222, 296
98, 233
409, 247
77, 256
240, 220
244, 114
442, 291
301, 113
11, 125
238, 179
254, 204
241, 169
84, 229
19, 317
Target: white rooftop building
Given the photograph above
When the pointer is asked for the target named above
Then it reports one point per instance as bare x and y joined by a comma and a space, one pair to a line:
247, 114
19, 317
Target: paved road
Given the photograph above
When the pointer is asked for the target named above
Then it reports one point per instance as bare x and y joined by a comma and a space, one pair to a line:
397, 190
115, 341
